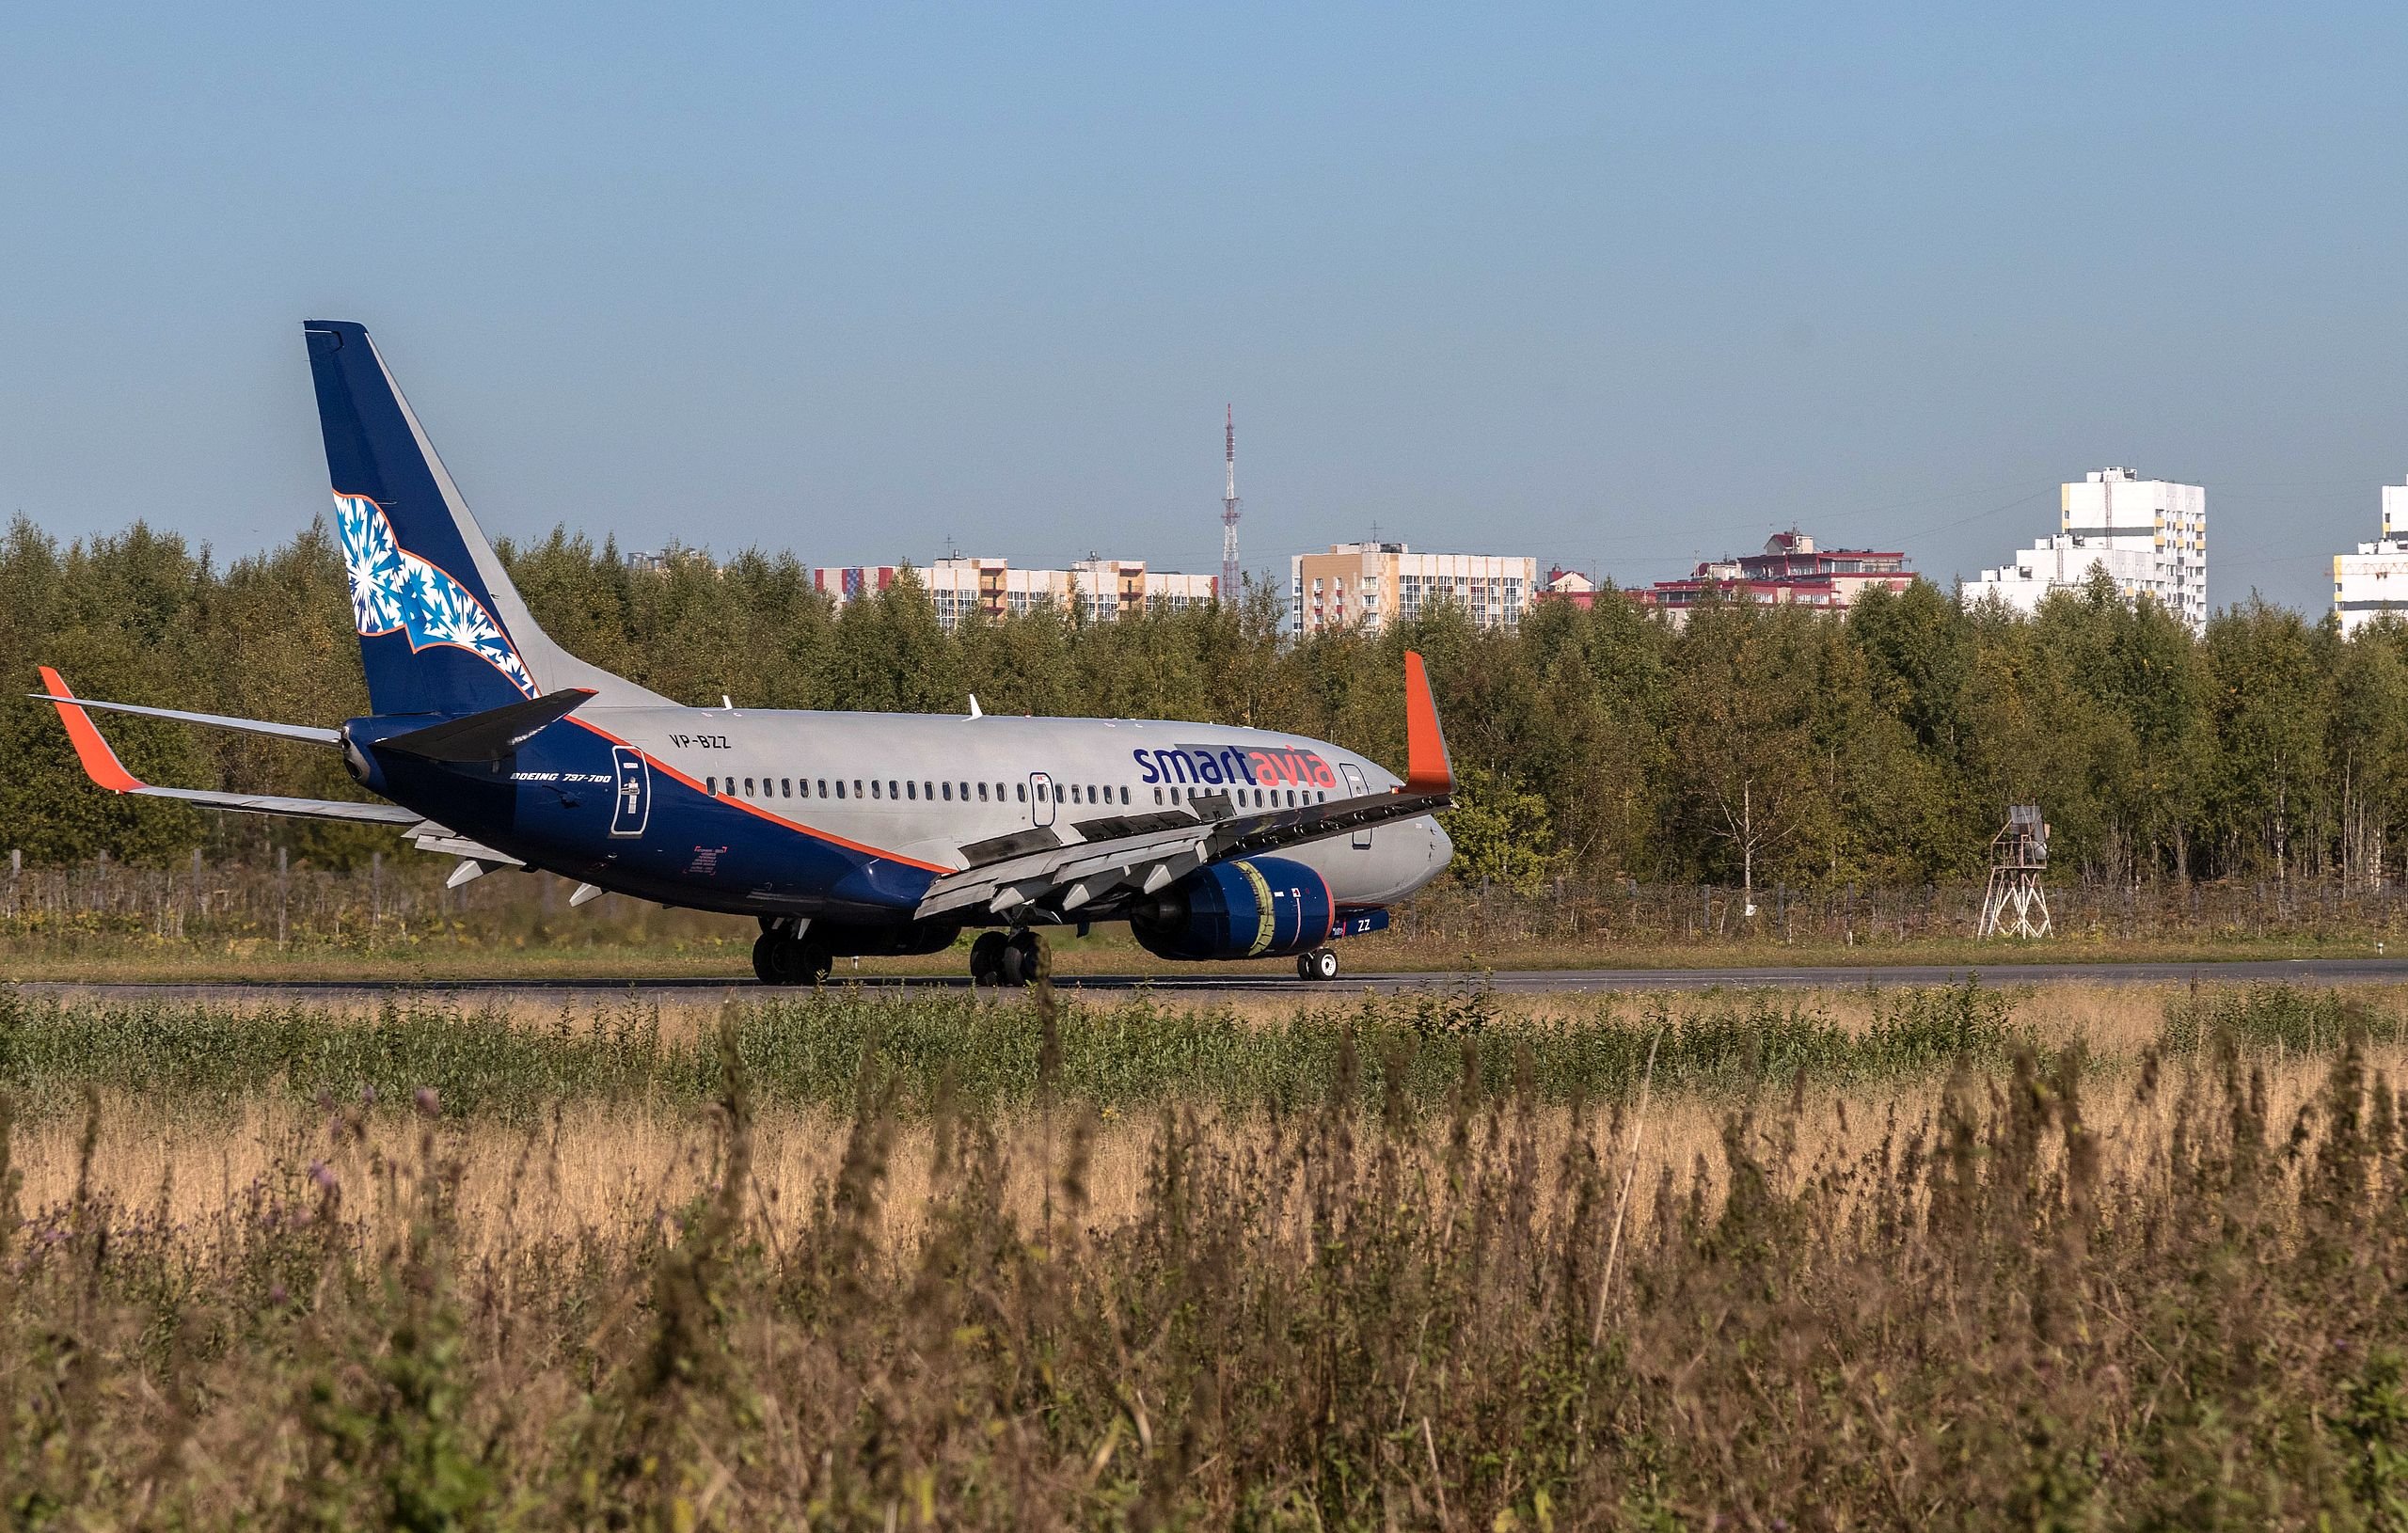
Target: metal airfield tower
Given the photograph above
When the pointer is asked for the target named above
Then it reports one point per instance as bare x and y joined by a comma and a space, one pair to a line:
2015, 905
1229, 509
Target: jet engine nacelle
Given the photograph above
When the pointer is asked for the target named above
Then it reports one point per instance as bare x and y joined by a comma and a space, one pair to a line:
1266, 907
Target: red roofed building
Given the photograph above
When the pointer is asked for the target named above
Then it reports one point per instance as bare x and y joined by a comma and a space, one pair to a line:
1563, 585
1790, 569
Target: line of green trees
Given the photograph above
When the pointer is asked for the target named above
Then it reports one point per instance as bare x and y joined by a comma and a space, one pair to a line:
1757, 743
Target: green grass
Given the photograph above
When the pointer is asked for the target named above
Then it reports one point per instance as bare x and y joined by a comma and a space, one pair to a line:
1125, 1054
1108, 951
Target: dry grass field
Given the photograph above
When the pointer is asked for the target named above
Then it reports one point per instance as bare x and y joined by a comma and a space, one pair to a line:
2073, 1257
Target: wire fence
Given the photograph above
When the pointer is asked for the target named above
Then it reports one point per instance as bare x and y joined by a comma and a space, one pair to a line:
404, 902
1572, 912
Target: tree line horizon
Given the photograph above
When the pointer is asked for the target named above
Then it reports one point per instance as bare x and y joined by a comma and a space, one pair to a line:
1757, 743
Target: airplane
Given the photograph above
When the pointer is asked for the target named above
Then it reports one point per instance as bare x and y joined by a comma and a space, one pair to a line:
845, 834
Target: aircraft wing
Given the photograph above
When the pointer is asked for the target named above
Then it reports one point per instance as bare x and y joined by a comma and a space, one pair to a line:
1114, 867
1125, 856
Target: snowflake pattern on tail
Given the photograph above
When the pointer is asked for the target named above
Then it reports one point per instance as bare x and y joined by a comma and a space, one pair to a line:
392, 589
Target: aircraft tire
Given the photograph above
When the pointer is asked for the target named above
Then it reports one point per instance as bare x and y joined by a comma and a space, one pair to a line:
764, 953
1020, 958
987, 959
812, 962
1320, 964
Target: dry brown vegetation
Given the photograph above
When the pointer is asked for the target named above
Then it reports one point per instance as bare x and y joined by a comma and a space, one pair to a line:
2113, 1258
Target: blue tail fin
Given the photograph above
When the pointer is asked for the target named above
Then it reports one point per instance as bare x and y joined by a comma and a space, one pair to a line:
441, 629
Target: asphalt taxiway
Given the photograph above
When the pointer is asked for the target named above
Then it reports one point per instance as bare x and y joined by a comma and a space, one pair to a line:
553, 990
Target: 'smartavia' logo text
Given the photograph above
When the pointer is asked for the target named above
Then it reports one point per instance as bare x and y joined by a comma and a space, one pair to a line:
1229, 765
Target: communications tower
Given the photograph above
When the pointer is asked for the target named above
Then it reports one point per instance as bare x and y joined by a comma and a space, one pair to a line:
1229, 509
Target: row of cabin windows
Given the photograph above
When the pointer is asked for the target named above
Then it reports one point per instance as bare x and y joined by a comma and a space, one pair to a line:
1247, 798
784, 787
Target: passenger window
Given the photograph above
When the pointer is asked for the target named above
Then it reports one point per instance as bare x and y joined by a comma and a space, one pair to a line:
965, 792
711, 785
875, 791
982, 793
894, 789
1021, 790
748, 787
928, 790
823, 788
912, 790
947, 794
840, 787
1057, 793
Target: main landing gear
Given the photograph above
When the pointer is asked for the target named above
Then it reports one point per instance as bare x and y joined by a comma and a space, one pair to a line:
782, 957
998, 959
1320, 963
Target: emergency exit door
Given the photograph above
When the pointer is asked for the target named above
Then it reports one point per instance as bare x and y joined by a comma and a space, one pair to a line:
1356, 788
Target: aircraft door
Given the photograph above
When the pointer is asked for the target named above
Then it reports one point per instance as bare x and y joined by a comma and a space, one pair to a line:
1356, 788
631, 800
1040, 792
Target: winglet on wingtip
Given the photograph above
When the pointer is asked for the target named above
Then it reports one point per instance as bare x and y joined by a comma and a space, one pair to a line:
1427, 768
100, 762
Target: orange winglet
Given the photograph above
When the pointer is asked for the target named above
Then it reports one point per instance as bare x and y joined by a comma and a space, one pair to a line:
100, 762
1426, 767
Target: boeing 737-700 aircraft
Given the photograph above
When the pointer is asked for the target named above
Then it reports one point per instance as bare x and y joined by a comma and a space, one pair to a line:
844, 833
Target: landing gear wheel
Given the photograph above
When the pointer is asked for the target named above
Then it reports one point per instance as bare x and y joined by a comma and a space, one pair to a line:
1320, 964
780, 960
987, 959
812, 961
1020, 958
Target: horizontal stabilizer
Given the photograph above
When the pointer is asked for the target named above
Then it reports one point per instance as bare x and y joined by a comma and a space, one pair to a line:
311, 732
491, 734
100, 765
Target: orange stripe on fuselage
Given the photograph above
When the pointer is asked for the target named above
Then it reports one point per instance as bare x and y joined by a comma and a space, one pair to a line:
667, 770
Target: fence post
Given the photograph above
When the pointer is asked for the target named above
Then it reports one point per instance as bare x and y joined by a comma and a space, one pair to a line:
283, 895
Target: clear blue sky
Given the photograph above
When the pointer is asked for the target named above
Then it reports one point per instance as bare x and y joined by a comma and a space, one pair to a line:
1620, 286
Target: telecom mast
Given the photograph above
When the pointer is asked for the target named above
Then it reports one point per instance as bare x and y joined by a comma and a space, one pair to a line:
1229, 511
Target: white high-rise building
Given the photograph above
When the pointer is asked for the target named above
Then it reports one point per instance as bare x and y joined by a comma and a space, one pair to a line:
2149, 535
2374, 580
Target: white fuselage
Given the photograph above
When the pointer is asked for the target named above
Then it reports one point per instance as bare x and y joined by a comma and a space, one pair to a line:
924, 786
